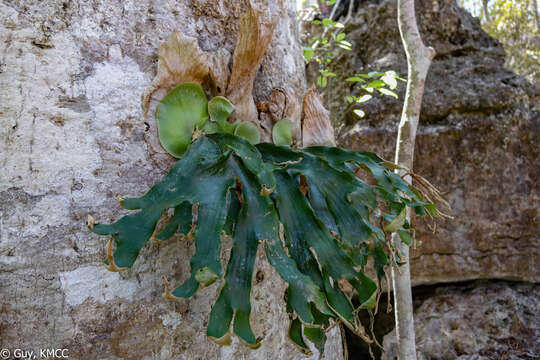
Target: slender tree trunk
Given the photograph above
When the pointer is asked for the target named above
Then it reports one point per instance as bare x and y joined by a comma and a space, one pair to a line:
535, 9
418, 61
485, 10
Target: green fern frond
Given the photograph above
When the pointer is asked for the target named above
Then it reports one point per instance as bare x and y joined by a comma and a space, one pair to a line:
332, 223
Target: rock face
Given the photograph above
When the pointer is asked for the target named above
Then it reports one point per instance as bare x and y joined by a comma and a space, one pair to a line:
477, 140
479, 321
72, 138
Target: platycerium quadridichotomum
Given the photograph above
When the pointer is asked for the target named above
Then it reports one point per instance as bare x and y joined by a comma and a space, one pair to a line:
316, 219
331, 220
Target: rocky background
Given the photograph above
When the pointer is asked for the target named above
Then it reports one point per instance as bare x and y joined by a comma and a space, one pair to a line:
479, 142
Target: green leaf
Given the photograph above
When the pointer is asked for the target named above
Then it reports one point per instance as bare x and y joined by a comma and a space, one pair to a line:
374, 73
388, 92
354, 79
250, 157
181, 222
178, 114
316, 336
364, 98
367, 291
298, 219
328, 74
295, 334
406, 237
344, 45
205, 276
327, 22
282, 132
380, 260
389, 79
210, 127
234, 206
359, 113
131, 232
308, 52
226, 127
322, 81
375, 84
248, 131
370, 302
220, 108
397, 222
340, 36
220, 321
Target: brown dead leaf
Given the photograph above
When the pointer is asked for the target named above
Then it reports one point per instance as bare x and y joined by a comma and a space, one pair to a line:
254, 36
182, 60
317, 128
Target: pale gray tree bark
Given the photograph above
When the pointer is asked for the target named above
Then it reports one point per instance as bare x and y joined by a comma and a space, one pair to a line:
418, 61
72, 138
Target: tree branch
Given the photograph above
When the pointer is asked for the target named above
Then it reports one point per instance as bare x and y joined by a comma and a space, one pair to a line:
418, 61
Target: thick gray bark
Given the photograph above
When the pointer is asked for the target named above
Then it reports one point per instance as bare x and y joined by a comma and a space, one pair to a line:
418, 61
72, 138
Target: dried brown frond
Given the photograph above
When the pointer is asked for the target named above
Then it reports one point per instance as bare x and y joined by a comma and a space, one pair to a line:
182, 60
317, 128
110, 258
254, 35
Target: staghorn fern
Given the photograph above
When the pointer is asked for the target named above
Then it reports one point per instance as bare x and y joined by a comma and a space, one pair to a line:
317, 220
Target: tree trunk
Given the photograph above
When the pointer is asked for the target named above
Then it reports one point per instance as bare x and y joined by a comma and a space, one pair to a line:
534, 4
418, 61
72, 138
485, 10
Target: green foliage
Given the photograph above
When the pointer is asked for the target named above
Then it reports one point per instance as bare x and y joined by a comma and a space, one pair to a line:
248, 131
323, 47
184, 112
517, 26
282, 132
219, 109
331, 221
367, 84
178, 115
322, 51
514, 24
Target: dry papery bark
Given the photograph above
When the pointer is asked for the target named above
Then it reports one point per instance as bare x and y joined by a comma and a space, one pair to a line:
182, 60
281, 104
317, 128
254, 35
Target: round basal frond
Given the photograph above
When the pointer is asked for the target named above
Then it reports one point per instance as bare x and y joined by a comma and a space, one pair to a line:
180, 112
